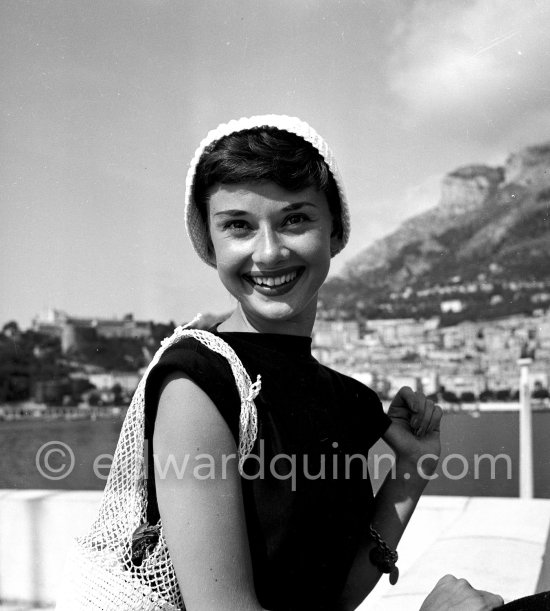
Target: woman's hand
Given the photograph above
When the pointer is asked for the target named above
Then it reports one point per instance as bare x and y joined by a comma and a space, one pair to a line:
414, 437
458, 594
414, 432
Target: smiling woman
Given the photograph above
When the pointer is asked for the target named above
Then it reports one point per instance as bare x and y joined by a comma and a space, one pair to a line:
279, 512
265, 206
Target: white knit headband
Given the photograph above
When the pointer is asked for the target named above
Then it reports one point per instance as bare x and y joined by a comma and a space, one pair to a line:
196, 228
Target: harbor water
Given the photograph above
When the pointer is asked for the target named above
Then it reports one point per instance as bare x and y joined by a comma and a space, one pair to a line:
480, 454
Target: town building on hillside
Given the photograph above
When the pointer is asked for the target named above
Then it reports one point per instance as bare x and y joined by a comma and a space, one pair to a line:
106, 380
335, 334
467, 359
451, 306
463, 383
401, 331
71, 330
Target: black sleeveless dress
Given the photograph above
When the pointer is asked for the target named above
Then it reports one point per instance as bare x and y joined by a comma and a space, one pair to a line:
305, 513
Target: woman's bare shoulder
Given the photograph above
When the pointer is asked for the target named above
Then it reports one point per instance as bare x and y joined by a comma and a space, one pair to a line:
200, 500
187, 414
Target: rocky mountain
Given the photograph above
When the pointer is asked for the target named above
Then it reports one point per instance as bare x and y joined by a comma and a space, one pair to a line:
487, 241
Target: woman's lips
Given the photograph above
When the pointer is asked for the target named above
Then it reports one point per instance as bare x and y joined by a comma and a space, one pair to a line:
274, 283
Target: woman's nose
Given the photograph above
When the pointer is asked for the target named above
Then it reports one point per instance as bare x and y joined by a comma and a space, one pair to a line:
269, 248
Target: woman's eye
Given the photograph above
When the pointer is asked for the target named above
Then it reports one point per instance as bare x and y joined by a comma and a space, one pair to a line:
236, 226
295, 219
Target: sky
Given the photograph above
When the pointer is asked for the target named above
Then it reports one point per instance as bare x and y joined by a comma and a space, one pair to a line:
103, 103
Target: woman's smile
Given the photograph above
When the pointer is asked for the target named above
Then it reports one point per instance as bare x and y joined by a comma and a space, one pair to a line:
274, 283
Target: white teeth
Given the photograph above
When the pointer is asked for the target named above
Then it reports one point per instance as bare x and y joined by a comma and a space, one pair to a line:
274, 280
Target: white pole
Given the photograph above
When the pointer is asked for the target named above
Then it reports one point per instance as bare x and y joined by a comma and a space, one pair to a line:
525, 432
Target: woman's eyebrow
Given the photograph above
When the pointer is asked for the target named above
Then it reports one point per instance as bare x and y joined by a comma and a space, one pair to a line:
298, 205
289, 208
231, 213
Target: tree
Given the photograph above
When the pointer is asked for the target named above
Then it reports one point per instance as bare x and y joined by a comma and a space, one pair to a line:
449, 396
503, 394
540, 393
94, 398
486, 395
118, 398
11, 329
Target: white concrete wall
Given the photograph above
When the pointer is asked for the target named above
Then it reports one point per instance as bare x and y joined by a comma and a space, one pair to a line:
35, 529
499, 544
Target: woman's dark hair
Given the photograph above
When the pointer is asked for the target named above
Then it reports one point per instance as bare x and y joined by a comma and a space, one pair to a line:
266, 153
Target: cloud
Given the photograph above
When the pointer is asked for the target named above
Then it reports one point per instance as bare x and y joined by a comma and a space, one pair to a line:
481, 62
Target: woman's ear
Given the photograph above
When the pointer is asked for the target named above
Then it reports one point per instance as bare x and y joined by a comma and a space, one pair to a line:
210, 249
334, 241
335, 234
209, 245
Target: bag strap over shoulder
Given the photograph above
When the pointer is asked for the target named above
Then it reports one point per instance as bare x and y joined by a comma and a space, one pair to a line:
127, 487
125, 551
248, 419
248, 391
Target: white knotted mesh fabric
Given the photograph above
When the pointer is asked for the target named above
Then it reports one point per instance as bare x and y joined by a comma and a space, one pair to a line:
100, 574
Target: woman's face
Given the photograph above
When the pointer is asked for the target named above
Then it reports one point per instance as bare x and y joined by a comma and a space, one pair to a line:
272, 249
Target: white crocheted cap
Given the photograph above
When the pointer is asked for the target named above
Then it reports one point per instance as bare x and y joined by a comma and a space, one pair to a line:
196, 228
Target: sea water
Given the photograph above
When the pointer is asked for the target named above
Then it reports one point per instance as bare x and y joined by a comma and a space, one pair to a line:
480, 454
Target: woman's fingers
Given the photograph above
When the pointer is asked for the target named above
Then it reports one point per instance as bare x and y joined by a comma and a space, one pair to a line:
421, 413
428, 416
433, 422
493, 601
404, 405
453, 593
405, 397
422, 418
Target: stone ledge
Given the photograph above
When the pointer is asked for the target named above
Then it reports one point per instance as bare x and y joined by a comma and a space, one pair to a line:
497, 544
36, 527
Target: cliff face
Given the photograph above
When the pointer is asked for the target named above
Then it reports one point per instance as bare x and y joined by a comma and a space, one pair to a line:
468, 188
463, 193
487, 218
530, 167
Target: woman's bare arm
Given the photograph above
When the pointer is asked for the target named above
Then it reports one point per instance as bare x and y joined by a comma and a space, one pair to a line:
393, 508
200, 501
413, 435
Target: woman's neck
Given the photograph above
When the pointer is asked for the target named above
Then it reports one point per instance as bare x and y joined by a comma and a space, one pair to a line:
238, 321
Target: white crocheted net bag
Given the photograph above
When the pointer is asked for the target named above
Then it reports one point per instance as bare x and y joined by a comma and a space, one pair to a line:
100, 575
196, 229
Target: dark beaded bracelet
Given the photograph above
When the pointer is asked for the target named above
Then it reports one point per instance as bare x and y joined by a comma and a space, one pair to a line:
383, 557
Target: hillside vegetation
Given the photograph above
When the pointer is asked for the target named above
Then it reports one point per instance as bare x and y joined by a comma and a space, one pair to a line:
485, 247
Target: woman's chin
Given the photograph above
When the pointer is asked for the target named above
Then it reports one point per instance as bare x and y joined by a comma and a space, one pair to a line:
280, 317
274, 314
